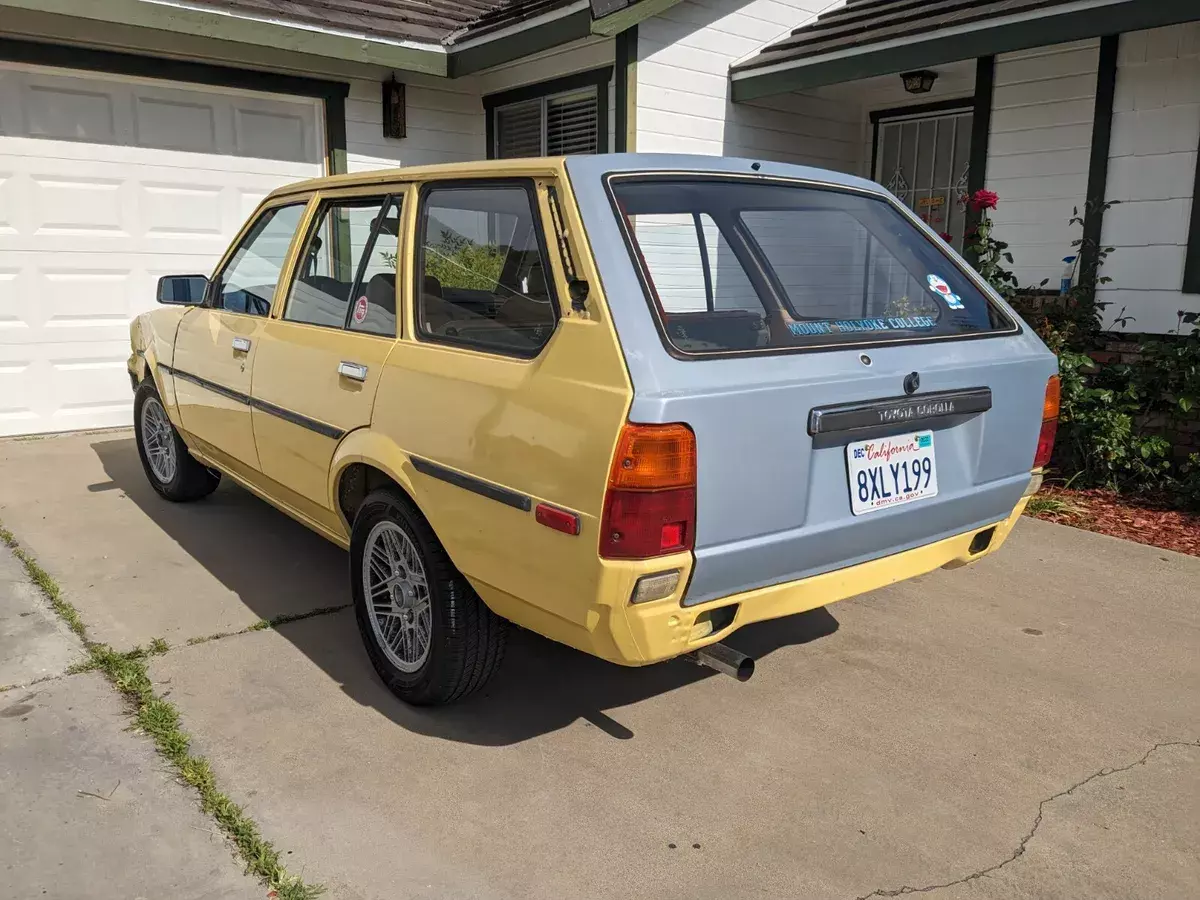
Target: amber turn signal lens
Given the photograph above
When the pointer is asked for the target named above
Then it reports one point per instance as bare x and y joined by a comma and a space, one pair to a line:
654, 458
1053, 397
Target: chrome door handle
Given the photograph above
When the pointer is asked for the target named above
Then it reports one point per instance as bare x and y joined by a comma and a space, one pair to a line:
241, 345
353, 370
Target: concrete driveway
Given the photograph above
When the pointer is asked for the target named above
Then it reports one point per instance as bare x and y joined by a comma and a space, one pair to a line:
1028, 727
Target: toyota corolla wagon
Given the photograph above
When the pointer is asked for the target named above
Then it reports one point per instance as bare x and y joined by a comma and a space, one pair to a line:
629, 402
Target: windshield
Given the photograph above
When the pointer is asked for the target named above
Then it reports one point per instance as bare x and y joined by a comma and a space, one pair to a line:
734, 265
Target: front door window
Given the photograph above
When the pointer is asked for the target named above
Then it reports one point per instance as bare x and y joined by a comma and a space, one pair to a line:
924, 160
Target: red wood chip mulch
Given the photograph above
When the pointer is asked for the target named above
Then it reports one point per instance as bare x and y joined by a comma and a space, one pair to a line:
1109, 513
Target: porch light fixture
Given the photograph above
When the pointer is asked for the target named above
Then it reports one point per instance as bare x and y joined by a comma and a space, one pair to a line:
920, 82
394, 125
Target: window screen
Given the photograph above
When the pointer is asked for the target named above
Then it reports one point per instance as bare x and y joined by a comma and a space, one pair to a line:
556, 125
482, 279
732, 265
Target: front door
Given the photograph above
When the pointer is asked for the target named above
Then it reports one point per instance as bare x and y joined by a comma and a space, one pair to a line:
216, 345
924, 159
319, 362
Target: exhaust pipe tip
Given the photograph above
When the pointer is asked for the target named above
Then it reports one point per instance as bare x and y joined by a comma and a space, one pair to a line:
724, 659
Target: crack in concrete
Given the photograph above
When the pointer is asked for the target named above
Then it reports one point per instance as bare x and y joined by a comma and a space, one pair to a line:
1024, 844
268, 624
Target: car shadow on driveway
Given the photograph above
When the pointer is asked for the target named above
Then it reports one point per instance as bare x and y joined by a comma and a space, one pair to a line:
277, 567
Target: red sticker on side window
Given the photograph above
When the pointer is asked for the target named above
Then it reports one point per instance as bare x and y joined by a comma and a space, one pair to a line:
360, 310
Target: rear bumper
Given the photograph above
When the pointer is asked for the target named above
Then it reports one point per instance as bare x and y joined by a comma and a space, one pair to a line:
664, 629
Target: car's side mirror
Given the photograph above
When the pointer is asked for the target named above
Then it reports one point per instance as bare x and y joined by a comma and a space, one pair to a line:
182, 290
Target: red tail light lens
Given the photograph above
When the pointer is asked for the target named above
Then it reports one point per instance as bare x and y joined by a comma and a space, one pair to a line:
650, 506
1045, 445
643, 524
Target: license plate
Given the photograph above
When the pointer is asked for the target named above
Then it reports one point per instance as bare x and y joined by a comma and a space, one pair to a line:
892, 471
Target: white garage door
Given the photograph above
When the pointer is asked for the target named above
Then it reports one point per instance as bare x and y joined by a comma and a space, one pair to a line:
106, 183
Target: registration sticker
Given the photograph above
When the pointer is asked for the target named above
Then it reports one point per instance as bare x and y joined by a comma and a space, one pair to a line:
360, 310
886, 472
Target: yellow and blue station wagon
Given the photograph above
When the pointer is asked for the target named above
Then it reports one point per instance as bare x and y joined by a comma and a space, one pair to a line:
629, 402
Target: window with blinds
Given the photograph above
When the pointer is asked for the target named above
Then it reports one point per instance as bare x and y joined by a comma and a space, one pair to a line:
558, 125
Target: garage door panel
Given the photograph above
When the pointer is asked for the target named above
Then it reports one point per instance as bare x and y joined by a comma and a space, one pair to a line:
77, 207
176, 125
178, 210
70, 115
106, 184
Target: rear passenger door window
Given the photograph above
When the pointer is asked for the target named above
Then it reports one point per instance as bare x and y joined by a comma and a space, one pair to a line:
482, 279
347, 272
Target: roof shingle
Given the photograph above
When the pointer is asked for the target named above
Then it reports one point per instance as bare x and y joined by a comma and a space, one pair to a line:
861, 23
424, 21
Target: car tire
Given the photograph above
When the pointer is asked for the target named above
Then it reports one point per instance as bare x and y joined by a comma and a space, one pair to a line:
171, 470
429, 635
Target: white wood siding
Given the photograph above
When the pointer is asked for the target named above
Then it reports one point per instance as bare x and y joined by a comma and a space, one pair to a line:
1152, 167
445, 124
1042, 112
684, 56
577, 56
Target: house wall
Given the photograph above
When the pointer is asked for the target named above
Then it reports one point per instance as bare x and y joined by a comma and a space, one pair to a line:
1152, 168
1039, 151
684, 56
444, 117
577, 56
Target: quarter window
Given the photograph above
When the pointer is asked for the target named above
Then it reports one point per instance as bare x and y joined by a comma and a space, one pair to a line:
347, 274
247, 284
482, 279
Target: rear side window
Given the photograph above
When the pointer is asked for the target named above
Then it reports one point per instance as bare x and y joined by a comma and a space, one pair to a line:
482, 280
732, 265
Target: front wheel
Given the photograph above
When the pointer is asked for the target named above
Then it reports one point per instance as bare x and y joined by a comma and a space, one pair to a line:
429, 635
170, 468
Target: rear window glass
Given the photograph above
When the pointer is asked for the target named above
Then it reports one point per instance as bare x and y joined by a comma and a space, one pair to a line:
735, 265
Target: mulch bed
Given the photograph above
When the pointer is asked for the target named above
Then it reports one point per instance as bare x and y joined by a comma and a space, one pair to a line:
1134, 519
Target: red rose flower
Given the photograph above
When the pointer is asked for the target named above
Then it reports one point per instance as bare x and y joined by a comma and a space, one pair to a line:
984, 200
947, 237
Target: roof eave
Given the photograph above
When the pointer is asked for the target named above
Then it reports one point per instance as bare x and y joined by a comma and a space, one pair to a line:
571, 23
410, 56
1087, 20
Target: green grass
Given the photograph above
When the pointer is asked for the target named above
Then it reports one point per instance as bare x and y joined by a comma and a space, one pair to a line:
159, 720
46, 585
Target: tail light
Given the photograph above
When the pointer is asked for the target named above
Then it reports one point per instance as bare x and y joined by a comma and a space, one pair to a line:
1045, 446
650, 506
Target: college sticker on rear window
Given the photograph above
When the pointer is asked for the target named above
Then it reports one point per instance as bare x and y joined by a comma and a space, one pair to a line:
891, 471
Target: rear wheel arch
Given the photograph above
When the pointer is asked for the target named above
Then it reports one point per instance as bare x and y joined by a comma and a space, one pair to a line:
365, 461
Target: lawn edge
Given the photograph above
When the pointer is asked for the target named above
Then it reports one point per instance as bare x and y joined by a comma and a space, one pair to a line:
160, 720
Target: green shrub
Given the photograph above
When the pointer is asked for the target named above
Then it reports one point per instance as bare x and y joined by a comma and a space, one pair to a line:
1099, 440
460, 263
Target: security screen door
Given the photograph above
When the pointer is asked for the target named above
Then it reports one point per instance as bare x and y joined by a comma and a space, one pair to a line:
924, 160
